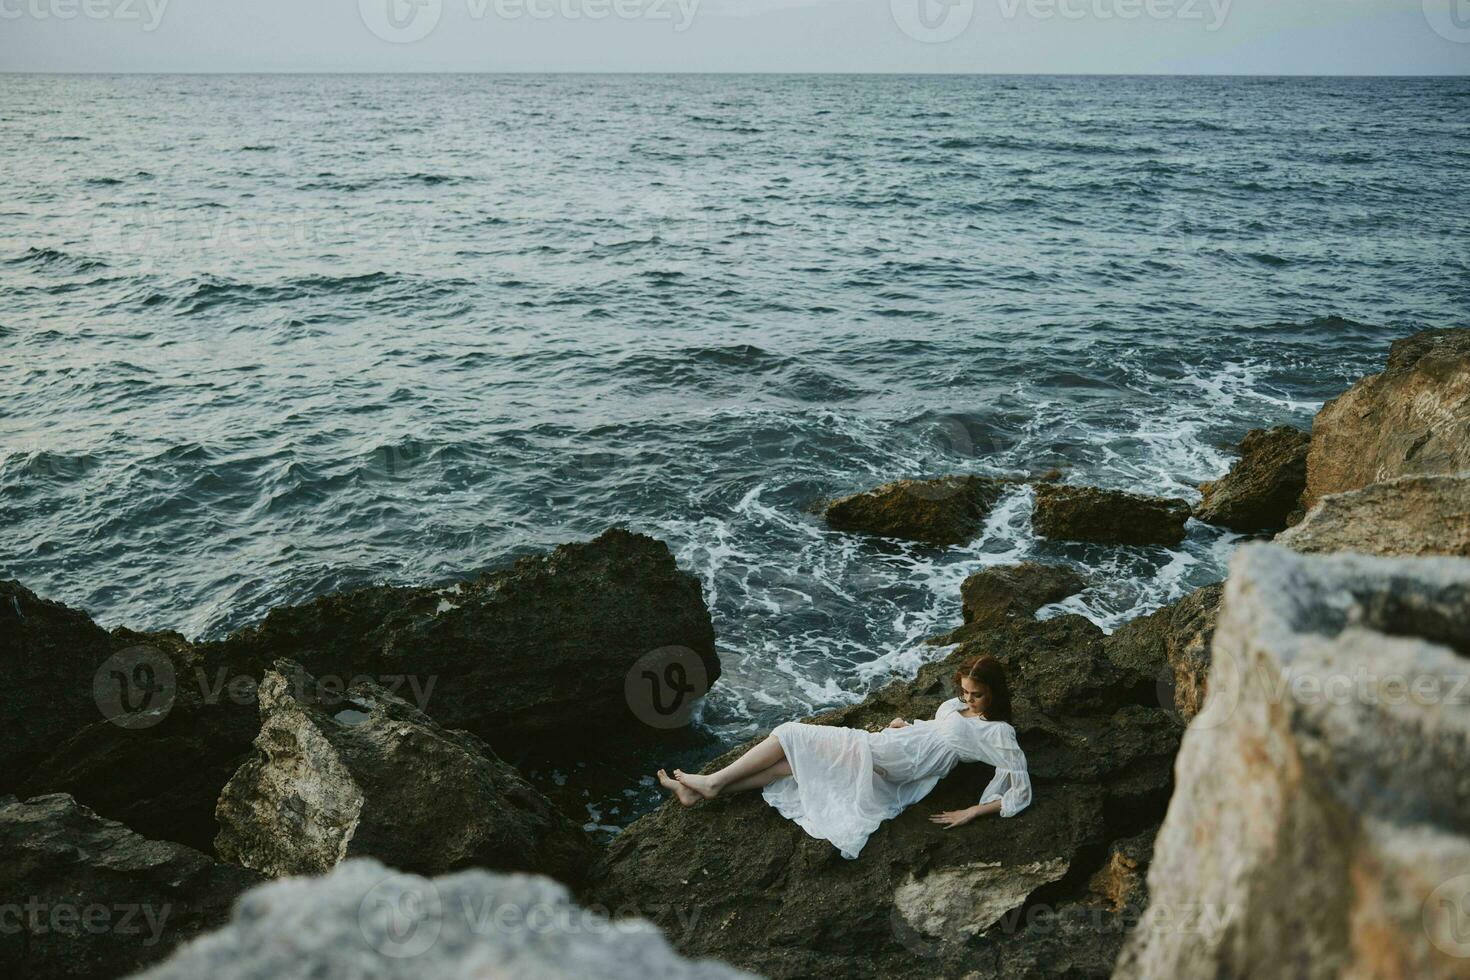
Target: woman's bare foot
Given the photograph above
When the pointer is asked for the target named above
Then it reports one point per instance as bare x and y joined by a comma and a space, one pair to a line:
685, 795
702, 785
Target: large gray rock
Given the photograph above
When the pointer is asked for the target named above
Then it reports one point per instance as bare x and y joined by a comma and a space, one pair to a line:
1411, 420
365, 922
81, 896
1319, 826
1415, 515
1263, 487
1073, 513
369, 775
944, 511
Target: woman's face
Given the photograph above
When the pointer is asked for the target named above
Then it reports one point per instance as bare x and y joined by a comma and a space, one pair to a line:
975, 695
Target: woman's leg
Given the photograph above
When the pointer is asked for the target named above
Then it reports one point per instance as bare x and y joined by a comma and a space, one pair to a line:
766, 776
758, 759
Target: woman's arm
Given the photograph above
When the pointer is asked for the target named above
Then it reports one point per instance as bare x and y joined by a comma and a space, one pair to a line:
955, 818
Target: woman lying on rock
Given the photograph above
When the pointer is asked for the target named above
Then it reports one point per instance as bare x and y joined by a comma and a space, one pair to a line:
839, 784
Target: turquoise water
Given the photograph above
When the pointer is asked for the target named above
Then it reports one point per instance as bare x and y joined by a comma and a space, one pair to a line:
270, 336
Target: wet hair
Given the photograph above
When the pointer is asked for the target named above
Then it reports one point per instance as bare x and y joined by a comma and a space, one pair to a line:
991, 673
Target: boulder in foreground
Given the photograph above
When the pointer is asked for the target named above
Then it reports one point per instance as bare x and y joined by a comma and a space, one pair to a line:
1415, 515
1073, 513
1263, 487
1411, 420
87, 897
946, 511
366, 774
364, 920
1321, 823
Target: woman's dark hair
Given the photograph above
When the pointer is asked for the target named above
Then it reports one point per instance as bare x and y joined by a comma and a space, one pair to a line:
991, 673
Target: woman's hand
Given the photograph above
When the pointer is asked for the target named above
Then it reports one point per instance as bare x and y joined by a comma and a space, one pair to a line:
955, 818
898, 723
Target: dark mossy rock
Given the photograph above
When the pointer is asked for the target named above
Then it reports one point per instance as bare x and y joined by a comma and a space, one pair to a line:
1181, 634
994, 898
512, 656
51, 656
945, 511
997, 595
1072, 513
516, 654
1265, 484
125, 901
162, 780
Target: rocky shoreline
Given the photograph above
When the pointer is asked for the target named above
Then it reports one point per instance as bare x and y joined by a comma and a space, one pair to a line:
1194, 813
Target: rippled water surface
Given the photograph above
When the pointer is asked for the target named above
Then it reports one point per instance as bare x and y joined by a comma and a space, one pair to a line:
270, 336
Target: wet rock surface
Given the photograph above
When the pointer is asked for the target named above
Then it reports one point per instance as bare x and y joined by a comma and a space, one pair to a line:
364, 920
365, 774
1073, 513
1319, 828
1263, 487
945, 511
1413, 419
87, 897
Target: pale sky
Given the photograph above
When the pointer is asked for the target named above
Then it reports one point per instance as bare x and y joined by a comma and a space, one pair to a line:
1394, 37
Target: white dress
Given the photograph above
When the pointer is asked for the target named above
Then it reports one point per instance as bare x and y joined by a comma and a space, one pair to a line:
844, 782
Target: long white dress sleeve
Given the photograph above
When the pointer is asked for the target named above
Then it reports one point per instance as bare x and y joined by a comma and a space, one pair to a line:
844, 782
993, 743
